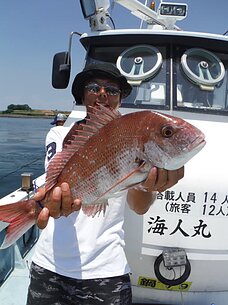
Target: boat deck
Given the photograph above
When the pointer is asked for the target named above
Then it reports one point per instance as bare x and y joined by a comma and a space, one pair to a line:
14, 290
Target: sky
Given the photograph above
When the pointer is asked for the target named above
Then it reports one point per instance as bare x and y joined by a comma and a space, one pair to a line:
32, 32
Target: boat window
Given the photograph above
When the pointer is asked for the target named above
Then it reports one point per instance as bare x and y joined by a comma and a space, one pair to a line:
146, 68
6, 263
201, 81
27, 240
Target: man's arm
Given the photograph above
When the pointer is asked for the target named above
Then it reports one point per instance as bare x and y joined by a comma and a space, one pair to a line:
141, 198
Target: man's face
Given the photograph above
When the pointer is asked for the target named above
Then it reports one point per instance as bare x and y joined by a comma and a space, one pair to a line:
60, 123
102, 91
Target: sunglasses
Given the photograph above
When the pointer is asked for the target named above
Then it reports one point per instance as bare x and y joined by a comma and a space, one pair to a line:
95, 88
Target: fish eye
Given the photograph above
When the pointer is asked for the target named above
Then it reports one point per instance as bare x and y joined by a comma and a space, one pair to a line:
167, 131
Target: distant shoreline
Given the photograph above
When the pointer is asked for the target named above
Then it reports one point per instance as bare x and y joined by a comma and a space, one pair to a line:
26, 116
35, 114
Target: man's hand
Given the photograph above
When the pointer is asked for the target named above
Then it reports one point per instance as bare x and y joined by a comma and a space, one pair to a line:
161, 179
142, 196
60, 203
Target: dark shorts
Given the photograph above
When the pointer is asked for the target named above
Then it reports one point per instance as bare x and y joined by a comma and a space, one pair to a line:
49, 288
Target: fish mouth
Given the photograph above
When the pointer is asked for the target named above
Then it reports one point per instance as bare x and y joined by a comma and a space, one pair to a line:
188, 152
197, 143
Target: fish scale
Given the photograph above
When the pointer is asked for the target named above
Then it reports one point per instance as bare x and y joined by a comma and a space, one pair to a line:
108, 154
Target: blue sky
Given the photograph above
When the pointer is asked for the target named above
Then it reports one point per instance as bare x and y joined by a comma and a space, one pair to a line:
31, 32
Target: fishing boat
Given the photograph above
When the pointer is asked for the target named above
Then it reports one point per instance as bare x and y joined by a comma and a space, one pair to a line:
177, 251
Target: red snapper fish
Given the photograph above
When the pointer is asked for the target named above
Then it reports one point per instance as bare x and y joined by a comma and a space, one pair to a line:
106, 155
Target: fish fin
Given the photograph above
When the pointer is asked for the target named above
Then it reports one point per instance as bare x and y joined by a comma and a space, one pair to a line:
93, 209
98, 117
21, 216
55, 167
102, 114
138, 170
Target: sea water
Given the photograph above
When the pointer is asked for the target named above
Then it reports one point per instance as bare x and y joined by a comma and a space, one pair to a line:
22, 149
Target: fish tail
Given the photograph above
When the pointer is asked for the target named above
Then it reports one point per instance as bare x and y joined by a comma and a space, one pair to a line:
20, 216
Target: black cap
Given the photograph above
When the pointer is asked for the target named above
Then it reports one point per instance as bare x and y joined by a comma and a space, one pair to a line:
96, 70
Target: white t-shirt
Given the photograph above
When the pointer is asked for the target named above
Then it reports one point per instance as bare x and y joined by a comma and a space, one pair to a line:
53, 142
79, 246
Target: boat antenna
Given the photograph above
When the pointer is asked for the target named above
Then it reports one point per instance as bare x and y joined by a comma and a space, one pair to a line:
141, 24
112, 21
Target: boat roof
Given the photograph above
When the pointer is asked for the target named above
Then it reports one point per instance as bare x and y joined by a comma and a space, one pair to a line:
156, 32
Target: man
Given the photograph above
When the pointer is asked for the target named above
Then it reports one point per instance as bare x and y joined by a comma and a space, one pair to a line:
80, 259
59, 119
59, 131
